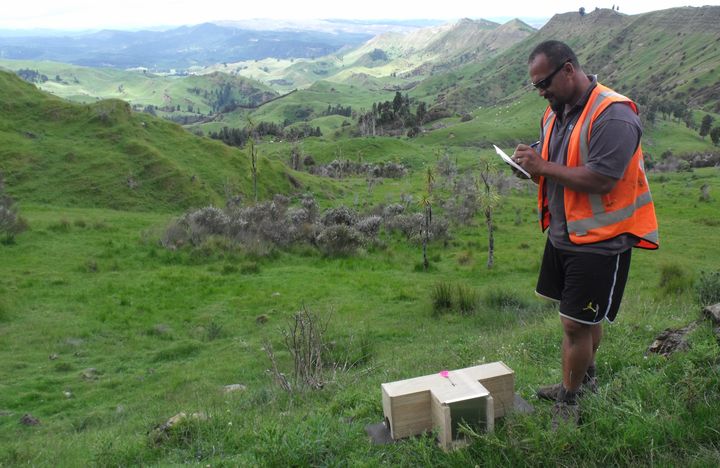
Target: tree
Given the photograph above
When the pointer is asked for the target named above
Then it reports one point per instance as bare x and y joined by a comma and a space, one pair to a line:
679, 109
489, 199
397, 102
11, 224
582, 11
421, 112
715, 136
253, 157
705, 125
426, 204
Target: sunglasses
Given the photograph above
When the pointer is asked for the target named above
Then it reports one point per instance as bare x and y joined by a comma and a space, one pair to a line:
547, 81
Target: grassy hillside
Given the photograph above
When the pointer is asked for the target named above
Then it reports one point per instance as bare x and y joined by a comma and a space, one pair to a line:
102, 154
193, 94
663, 55
305, 105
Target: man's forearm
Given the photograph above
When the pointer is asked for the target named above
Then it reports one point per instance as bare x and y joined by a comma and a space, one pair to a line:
578, 179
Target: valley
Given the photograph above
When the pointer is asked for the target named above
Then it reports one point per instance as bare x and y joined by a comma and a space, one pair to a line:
179, 222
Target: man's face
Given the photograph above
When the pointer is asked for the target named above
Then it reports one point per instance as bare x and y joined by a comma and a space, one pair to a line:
552, 81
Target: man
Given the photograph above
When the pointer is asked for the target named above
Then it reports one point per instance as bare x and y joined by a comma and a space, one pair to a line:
594, 198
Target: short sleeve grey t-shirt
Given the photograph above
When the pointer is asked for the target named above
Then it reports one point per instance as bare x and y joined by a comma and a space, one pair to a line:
615, 137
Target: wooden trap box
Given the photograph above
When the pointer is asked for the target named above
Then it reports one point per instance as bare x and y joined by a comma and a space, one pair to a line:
474, 395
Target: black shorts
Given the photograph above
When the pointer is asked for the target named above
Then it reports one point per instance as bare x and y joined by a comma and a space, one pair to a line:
588, 286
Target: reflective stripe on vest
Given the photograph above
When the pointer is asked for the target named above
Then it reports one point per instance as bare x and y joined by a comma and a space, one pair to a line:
607, 218
596, 203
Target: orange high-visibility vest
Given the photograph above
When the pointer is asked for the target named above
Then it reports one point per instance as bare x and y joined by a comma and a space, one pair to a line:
591, 217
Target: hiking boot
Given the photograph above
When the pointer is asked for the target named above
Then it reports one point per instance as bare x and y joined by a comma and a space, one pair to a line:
565, 414
552, 392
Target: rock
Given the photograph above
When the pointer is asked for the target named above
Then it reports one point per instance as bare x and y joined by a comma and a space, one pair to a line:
68, 394
29, 420
234, 388
671, 340
90, 374
162, 432
261, 319
160, 329
713, 313
75, 342
53, 356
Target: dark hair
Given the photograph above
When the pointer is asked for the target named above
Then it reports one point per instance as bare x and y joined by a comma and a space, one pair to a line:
556, 52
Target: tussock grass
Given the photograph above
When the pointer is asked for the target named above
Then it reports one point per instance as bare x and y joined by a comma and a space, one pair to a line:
674, 279
708, 287
442, 297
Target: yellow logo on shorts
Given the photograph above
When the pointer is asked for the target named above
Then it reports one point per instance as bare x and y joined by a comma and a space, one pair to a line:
590, 307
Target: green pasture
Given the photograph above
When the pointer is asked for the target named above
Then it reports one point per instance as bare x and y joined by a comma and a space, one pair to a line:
165, 330
105, 334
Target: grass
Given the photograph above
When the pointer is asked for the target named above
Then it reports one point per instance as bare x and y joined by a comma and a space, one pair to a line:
89, 287
167, 330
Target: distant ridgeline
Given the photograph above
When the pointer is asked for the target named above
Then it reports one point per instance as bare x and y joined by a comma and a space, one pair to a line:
178, 48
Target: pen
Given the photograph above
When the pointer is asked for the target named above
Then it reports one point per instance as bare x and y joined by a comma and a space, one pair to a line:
535, 145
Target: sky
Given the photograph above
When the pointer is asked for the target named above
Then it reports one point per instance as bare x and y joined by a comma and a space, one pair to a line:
134, 14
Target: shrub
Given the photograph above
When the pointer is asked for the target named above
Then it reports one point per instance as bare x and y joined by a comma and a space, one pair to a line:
62, 225
674, 279
390, 211
339, 215
11, 223
705, 193
441, 295
214, 331
339, 240
305, 341
409, 225
205, 222
708, 288
310, 206
249, 268
369, 226
175, 235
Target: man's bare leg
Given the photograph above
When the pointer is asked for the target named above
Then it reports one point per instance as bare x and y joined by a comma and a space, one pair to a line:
578, 349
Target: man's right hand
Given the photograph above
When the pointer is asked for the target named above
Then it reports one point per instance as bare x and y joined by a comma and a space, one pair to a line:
528, 159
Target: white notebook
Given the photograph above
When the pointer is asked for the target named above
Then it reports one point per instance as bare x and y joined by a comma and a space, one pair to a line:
509, 160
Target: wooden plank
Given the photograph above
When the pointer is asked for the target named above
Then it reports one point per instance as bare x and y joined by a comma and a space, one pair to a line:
441, 421
408, 414
499, 379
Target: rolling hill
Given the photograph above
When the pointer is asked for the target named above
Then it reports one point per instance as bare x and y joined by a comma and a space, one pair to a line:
197, 95
670, 54
104, 155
